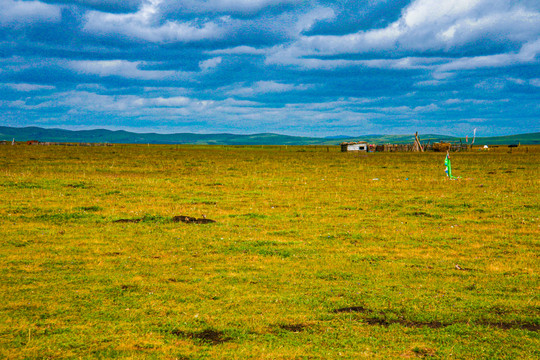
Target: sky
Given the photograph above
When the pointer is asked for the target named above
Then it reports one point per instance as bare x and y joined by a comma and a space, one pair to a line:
310, 68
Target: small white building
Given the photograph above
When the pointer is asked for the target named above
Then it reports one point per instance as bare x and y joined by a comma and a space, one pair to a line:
355, 146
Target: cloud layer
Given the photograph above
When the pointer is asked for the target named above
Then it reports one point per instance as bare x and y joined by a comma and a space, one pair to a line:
305, 68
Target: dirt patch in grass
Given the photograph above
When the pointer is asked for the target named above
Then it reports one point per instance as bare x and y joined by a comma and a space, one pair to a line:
437, 324
293, 327
208, 336
89, 208
419, 352
127, 220
79, 185
511, 325
425, 214
382, 320
128, 287
162, 219
192, 220
407, 323
351, 309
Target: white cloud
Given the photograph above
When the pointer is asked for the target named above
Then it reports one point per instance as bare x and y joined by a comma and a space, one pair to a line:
350, 104
474, 101
426, 25
453, 101
516, 80
177, 101
426, 108
92, 102
515, 25
442, 67
265, 87
306, 21
467, 63
164, 89
239, 50
430, 83
242, 6
25, 12
146, 24
490, 85
352, 43
94, 87
123, 68
235, 102
527, 54
231, 114
431, 24
85, 101
210, 63
290, 56
28, 87
535, 82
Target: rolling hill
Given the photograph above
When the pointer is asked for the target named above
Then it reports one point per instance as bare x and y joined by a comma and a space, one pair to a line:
126, 137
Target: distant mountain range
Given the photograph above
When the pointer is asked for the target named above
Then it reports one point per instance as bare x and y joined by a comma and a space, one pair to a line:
126, 137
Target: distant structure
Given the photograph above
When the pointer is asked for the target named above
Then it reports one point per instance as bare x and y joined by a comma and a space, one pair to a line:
32, 142
442, 146
417, 147
355, 146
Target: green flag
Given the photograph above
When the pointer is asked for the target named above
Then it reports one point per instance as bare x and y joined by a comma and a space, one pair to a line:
448, 165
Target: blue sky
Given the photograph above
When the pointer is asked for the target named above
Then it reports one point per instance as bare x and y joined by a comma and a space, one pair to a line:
315, 68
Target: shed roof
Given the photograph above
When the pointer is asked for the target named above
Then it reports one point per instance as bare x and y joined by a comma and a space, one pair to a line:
354, 142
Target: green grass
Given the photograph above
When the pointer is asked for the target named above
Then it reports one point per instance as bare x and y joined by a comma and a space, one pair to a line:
310, 257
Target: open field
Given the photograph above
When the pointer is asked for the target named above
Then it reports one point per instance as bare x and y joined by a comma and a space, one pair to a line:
309, 257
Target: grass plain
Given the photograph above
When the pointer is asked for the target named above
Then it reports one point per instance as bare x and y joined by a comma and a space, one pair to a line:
315, 254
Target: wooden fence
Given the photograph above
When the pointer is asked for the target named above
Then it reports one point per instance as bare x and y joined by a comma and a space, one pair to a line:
427, 147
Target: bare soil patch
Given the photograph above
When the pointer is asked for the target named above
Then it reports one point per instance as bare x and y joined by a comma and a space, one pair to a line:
293, 327
127, 220
209, 336
192, 220
351, 309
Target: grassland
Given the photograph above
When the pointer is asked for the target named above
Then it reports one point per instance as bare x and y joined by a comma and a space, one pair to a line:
314, 254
